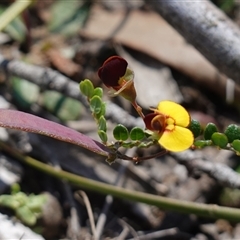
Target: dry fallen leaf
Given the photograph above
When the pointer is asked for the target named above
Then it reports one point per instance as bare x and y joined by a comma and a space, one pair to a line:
62, 63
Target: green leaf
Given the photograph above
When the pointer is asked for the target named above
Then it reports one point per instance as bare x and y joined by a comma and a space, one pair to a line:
86, 88
96, 104
219, 139
226, 6
15, 188
26, 215
16, 29
195, 127
63, 107
68, 16
137, 134
120, 133
146, 144
24, 92
36, 202
103, 136
98, 92
128, 144
102, 112
236, 145
232, 132
202, 143
21, 197
9, 201
209, 130
102, 124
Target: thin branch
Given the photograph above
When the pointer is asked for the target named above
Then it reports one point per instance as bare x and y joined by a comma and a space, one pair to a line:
126, 229
221, 172
172, 233
89, 210
206, 28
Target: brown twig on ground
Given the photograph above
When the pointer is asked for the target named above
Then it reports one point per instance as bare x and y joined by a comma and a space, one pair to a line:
85, 199
208, 29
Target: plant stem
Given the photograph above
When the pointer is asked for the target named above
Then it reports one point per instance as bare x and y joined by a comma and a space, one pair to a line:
138, 109
204, 210
13, 11
139, 159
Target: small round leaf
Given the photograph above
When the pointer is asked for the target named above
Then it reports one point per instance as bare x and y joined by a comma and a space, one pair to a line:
102, 112
202, 143
120, 133
103, 136
102, 124
137, 134
128, 144
232, 132
236, 145
86, 88
26, 215
219, 139
210, 129
195, 127
98, 92
96, 104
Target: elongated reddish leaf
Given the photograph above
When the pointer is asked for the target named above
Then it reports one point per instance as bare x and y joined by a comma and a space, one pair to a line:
30, 123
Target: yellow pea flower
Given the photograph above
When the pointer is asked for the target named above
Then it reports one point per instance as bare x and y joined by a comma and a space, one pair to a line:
169, 124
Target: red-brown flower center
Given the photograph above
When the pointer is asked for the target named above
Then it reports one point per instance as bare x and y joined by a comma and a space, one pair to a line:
158, 123
155, 122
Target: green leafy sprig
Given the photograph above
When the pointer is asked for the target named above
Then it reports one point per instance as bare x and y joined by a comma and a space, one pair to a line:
229, 139
97, 106
28, 208
136, 137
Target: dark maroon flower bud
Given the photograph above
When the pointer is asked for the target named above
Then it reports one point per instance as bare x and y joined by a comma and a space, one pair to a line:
112, 70
115, 75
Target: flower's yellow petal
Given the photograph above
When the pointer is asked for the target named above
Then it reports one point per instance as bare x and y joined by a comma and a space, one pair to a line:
177, 139
177, 112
